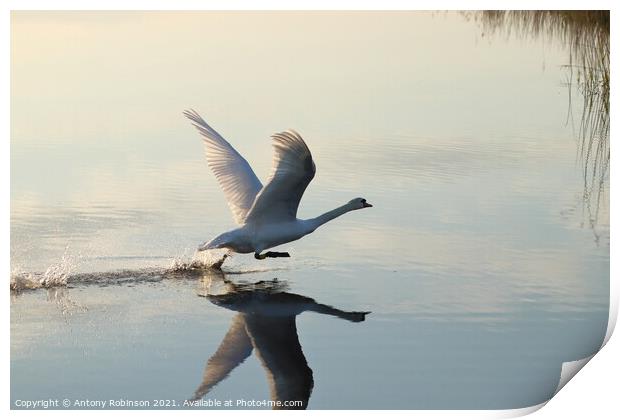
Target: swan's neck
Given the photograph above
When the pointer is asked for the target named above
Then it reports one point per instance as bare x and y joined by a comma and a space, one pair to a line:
326, 217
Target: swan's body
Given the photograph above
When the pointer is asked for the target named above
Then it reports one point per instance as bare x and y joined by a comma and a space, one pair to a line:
267, 215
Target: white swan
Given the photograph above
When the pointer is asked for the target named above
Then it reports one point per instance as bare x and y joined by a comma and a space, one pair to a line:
267, 215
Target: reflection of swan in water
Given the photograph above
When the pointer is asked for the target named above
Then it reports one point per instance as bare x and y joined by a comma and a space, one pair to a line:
266, 323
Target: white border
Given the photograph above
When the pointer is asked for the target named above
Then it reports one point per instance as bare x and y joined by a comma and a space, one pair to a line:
592, 394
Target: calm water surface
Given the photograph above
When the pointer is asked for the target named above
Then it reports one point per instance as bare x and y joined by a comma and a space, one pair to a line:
477, 262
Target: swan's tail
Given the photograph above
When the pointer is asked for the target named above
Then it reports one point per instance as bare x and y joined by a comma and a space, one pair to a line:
206, 245
221, 241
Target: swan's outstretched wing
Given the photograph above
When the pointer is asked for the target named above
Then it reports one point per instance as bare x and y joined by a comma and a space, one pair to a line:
291, 172
234, 349
232, 171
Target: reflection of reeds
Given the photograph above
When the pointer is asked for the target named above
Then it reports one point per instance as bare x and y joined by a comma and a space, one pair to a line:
586, 35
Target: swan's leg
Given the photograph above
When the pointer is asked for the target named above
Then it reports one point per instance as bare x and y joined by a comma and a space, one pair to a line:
271, 254
218, 264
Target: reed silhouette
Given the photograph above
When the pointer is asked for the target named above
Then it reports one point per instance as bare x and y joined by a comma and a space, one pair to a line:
585, 33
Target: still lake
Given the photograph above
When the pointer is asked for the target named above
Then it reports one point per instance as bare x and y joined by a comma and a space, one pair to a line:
477, 262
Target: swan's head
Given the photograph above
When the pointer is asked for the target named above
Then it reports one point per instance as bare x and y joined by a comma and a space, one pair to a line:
359, 203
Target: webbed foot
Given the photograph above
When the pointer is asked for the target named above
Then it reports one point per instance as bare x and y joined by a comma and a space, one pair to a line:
274, 254
271, 254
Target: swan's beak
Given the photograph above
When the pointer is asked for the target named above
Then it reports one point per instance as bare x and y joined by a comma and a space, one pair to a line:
367, 204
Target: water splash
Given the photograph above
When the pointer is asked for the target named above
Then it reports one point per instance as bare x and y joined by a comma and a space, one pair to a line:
22, 281
54, 276
200, 260
65, 272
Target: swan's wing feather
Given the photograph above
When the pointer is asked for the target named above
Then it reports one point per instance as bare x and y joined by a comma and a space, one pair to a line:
233, 173
291, 172
234, 349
